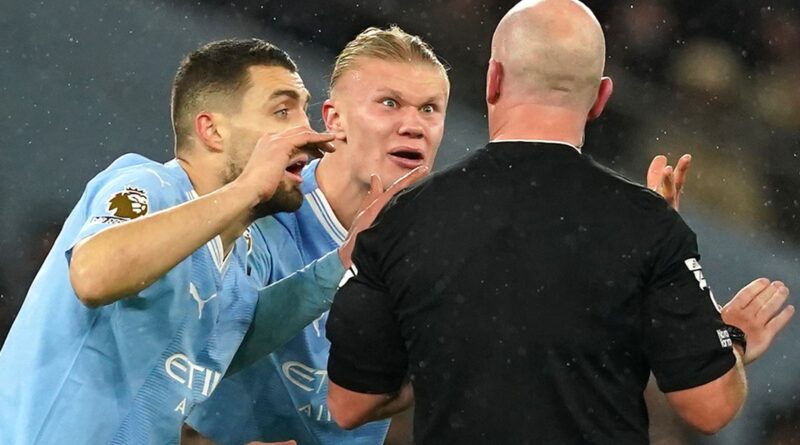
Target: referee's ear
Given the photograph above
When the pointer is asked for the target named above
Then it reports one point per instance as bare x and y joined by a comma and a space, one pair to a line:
603, 94
494, 78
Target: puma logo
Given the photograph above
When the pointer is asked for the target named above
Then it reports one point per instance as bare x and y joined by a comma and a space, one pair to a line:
200, 302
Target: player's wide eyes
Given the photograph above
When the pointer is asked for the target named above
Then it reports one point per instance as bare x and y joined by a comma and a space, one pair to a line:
389, 102
428, 108
282, 113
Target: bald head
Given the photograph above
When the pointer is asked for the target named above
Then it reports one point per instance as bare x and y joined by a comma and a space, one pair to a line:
551, 51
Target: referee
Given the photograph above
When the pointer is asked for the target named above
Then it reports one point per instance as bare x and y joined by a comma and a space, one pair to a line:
527, 293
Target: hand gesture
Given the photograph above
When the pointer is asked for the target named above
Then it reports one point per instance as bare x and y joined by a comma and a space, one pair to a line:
666, 180
758, 310
372, 204
274, 153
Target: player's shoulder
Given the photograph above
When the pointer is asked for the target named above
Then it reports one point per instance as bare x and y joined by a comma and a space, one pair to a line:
134, 182
130, 166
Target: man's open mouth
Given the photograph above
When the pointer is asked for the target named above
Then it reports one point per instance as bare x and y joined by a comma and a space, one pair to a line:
408, 154
297, 167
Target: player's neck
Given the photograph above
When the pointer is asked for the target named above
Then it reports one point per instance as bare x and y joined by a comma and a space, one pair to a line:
342, 192
536, 122
204, 181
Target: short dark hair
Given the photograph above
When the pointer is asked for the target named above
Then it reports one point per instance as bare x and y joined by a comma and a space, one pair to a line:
218, 67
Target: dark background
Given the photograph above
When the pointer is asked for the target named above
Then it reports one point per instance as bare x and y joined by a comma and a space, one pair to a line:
84, 81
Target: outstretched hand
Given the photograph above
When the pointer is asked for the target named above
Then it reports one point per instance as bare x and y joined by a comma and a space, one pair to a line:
758, 310
372, 204
666, 180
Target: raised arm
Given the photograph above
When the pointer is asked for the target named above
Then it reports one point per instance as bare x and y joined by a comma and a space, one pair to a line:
126, 258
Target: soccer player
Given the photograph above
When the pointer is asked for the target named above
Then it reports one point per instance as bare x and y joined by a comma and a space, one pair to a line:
146, 295
526, 293
389, 94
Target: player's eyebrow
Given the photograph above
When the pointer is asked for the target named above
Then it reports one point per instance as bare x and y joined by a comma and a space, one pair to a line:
390, 92
291, 94
397, 94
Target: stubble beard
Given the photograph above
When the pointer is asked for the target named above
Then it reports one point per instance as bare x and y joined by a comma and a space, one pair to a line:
287, 198
232, 171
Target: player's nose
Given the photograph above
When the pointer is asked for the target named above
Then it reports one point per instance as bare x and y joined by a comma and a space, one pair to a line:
411, 124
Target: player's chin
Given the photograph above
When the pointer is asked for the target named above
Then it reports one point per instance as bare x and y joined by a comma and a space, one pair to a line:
294, 199
287, 198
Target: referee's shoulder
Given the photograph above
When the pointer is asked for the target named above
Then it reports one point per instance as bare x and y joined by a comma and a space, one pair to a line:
632, 192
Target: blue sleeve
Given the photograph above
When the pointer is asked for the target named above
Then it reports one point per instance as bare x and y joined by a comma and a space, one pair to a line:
118, 196
287, 306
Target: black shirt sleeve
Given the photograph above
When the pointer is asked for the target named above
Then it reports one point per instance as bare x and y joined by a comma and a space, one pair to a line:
682, 322
368, 353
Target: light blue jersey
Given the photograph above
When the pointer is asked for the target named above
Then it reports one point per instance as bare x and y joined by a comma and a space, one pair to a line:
283, 396
128, 372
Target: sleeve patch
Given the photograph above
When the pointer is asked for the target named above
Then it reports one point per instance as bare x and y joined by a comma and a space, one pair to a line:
694, 266
128, 204
724, 338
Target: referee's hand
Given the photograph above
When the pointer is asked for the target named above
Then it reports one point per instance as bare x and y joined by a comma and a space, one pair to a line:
758, 310
666, 180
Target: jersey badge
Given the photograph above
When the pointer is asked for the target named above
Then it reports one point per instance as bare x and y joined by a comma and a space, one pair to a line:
125, 205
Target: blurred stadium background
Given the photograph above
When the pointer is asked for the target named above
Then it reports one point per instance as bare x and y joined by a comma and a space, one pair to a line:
84, 81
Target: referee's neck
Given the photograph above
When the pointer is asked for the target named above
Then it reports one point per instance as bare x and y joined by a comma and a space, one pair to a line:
536, 122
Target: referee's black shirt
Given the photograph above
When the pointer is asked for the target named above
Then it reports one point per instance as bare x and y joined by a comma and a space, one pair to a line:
527, 292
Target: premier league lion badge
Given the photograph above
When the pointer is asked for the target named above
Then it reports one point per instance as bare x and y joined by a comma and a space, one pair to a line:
128, 204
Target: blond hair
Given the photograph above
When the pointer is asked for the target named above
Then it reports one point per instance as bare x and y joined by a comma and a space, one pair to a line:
391, 44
